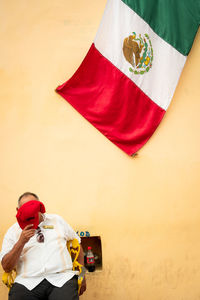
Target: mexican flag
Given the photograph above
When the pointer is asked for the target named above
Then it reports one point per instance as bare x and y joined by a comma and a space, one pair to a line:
127, 80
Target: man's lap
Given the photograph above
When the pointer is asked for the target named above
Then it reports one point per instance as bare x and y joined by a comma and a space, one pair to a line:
46, 291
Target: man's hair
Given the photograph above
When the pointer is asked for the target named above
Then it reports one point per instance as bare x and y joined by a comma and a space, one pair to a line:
27, 194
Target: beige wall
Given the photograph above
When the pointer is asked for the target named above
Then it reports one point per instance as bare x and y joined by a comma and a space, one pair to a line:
146, 209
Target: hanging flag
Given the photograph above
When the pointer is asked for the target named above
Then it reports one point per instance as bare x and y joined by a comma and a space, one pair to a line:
127, 79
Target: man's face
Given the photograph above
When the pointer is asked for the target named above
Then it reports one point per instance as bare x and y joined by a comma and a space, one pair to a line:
26, 199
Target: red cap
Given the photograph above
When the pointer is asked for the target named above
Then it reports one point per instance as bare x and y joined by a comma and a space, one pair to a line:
89, 248
28, 213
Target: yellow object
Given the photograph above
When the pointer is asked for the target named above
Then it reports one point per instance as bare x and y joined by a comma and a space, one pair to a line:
48, 227
147, 61
74, 250
8, 278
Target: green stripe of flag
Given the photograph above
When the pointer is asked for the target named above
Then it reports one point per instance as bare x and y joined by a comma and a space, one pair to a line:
175, 21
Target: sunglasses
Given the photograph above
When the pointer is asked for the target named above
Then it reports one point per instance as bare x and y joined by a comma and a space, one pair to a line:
40, 235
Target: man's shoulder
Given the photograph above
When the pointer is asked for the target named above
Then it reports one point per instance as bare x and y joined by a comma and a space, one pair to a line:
15, 226
54, 217
13, 229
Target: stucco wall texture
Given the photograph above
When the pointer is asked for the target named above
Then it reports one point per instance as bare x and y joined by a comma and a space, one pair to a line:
146, 209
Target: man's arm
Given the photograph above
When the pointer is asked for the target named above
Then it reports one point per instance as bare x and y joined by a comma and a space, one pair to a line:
10, 260
80, 259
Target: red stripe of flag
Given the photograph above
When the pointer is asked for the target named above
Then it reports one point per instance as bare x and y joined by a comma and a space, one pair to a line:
112, 102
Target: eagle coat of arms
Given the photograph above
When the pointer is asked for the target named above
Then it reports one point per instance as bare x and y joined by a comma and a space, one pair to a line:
138, 52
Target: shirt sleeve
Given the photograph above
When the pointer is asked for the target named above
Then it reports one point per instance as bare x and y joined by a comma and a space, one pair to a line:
70, 234
7, 245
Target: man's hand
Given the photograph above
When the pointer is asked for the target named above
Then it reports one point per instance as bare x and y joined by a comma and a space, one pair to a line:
83, 287
26, 234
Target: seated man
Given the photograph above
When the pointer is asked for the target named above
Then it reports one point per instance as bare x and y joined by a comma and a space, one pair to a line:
40, 256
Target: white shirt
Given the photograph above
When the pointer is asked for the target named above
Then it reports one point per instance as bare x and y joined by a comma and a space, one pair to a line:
49, 260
